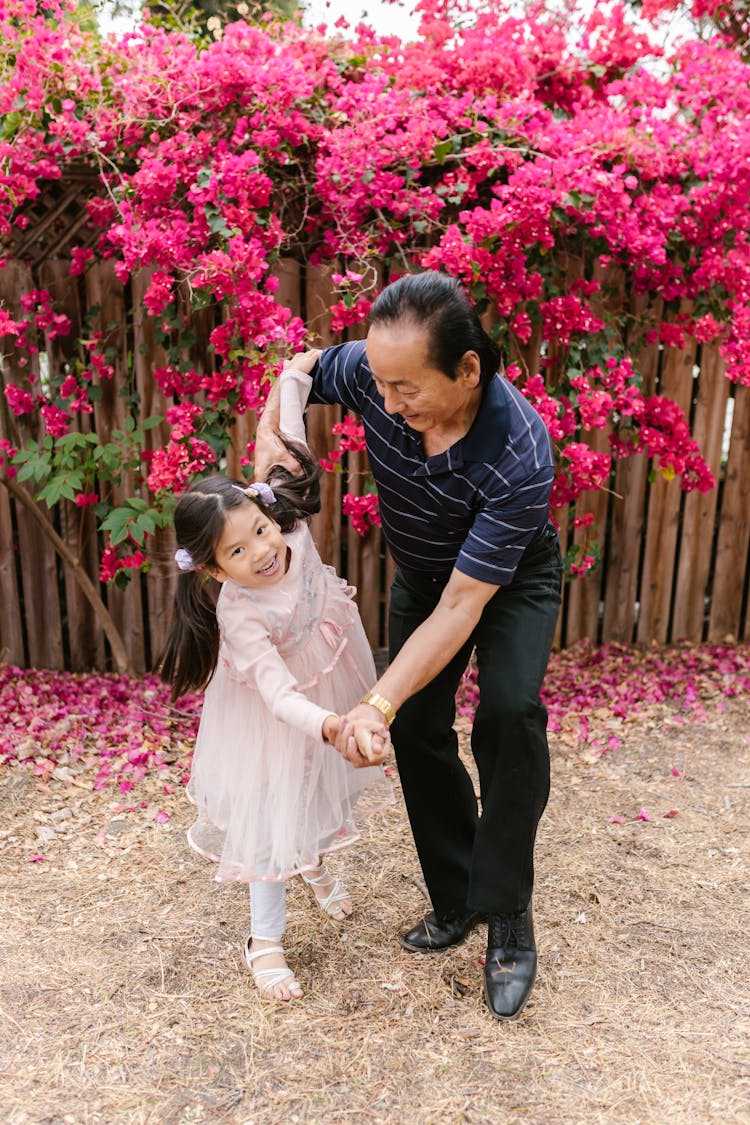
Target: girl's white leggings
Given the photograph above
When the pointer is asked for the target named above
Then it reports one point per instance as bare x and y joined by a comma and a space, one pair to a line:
267, 910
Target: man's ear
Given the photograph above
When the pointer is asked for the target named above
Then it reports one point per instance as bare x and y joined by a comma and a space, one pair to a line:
470, 369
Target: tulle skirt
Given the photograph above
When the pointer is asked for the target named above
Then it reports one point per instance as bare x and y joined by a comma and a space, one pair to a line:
271, 800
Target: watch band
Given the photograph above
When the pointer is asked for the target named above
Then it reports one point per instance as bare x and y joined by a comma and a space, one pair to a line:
380, 703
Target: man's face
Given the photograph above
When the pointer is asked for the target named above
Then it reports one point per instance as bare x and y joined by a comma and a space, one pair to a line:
425, 397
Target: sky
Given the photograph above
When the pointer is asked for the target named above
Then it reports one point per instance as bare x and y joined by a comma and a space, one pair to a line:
385, 18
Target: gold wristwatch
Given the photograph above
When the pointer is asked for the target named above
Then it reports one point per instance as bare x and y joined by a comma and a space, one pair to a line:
380, 703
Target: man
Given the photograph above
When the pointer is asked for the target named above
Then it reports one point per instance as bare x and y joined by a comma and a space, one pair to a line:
464, 469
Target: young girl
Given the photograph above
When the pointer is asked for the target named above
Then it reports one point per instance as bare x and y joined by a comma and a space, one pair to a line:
283, 654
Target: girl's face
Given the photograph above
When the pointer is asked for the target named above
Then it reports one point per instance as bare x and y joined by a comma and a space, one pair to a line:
251, 551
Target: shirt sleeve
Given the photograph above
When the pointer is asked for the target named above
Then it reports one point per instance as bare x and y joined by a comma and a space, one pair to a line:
503, 528
258, 663
341, 374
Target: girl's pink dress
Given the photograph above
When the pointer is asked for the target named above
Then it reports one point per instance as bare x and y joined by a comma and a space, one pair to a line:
271, 795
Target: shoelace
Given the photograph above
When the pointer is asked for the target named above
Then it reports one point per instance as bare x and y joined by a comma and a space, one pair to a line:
508, 930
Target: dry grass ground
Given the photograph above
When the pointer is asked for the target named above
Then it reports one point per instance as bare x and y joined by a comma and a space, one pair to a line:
124, 998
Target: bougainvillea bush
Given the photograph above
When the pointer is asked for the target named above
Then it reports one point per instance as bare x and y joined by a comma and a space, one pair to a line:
544, 158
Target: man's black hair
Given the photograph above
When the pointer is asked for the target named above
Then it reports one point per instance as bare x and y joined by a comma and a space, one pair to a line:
442, 306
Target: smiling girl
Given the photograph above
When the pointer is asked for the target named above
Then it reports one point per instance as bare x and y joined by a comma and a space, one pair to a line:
281, 653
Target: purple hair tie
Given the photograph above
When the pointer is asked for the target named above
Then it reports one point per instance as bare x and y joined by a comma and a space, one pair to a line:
184, 559
264, 492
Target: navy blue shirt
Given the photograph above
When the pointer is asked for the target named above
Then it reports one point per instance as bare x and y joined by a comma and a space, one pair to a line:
476, 506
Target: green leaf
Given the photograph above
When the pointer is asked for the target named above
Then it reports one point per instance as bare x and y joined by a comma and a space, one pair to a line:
442, 150
117, 524
122, 578
57, 489
11, 125
217, 224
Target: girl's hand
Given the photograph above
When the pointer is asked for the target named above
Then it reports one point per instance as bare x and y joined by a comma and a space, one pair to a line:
331, 728
269, 451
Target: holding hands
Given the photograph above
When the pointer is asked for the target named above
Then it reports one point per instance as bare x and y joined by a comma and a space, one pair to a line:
361, 736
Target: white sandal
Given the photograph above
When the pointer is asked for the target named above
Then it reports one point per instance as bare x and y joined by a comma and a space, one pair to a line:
268, 979
337, 894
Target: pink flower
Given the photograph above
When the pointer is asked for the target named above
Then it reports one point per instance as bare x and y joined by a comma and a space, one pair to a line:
362, 511
8, 327
19, 400
56, 421
79, 259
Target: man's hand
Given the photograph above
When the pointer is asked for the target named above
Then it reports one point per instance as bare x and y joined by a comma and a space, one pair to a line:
305, 361
363, 739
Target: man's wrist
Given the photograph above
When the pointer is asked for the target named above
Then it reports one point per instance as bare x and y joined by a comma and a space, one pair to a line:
381, 704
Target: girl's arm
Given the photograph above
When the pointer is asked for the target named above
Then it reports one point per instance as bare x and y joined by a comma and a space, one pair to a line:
260, 665
286, 702
293, 395
268, 449
271, 677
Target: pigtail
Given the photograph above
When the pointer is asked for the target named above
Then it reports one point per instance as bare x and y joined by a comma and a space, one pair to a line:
192, 649
297, 494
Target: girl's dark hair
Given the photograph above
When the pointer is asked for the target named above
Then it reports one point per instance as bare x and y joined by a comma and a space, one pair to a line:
192, 648
441, 305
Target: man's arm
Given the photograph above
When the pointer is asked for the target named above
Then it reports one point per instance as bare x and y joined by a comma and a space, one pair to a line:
428, 650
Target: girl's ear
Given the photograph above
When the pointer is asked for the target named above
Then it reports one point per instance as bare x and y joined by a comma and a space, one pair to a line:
216, 573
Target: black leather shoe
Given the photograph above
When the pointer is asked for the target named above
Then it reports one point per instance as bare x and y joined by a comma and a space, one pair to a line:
436, 932
510, 967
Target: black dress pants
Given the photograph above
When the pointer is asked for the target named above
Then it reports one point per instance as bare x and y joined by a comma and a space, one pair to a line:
471, 861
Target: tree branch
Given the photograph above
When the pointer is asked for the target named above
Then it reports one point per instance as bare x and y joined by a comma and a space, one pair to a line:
111, 631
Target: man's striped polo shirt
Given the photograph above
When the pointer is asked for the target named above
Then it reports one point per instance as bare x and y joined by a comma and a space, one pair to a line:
477, 505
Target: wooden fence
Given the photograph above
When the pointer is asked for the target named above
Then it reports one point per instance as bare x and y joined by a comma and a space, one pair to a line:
674, 565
